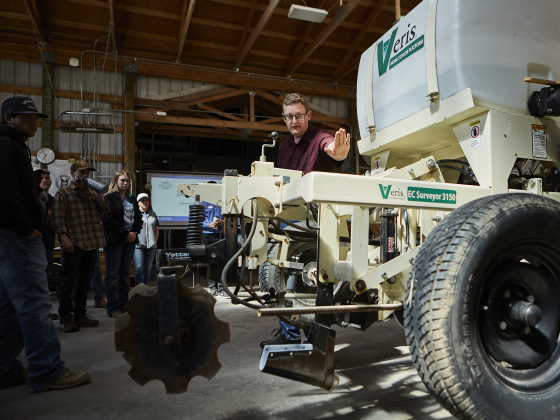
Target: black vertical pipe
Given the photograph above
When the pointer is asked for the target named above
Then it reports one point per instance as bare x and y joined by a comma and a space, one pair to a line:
388, 235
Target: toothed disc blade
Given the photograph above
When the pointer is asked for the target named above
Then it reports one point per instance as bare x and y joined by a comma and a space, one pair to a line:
200, 335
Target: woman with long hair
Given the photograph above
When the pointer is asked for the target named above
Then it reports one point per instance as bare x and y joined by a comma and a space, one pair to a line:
121, 225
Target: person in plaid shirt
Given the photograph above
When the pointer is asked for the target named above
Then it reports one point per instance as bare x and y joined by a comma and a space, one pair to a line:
76, 220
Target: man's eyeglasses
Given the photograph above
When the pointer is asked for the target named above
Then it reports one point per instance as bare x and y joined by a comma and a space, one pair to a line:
289, 117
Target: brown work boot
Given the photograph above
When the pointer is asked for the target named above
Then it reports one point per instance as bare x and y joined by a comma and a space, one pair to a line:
85, 320
70, 380
68, 325
101, 304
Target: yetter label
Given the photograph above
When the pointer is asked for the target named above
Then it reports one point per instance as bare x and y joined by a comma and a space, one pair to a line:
431, 195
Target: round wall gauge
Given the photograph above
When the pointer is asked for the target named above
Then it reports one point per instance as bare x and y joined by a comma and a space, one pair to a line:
45, 156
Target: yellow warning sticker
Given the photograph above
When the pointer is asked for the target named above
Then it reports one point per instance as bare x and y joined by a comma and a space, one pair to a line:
539, 141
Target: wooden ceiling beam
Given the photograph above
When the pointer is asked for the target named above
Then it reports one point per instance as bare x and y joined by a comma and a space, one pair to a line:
311, 85
351, 67
69, 94
185, 28
208, 122
367, 23
304, 35
181, 102
237, 3
154, 126
335, 23
167, 132
216, 97
112, 25
218, 112
324, 118
35, 17
245, 29
256, 32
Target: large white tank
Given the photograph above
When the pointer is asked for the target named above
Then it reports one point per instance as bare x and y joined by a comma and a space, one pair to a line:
442, 49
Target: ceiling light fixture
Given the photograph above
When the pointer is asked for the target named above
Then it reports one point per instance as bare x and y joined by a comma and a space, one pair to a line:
310, 14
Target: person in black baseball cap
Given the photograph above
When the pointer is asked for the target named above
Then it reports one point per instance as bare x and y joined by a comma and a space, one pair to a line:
21, 113
24, 296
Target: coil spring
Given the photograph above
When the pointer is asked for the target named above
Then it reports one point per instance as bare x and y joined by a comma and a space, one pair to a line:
196, 220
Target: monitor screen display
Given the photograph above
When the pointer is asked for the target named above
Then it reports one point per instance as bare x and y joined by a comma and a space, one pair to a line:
170, 206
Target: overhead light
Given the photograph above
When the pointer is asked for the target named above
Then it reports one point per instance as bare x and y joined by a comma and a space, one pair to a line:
74, 62
310, 14
83, 129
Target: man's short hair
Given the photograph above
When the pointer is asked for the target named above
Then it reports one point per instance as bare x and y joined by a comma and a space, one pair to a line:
296, 98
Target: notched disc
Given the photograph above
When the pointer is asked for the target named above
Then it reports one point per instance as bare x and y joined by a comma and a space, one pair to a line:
200, 335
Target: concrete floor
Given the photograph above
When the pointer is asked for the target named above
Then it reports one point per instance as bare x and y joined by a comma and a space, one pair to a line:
378, 380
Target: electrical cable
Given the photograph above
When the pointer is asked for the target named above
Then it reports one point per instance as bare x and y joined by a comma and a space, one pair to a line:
223, 71
35, 30
234, 259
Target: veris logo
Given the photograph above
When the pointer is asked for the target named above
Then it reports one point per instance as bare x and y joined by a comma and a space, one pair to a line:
397, 49
386, 192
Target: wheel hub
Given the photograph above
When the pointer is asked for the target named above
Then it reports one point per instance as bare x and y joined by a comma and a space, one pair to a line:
520, 318
309, 274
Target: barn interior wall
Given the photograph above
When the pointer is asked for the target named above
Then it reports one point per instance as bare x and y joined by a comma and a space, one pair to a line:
107, 82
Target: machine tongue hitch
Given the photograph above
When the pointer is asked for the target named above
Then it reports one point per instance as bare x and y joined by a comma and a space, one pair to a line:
308, 363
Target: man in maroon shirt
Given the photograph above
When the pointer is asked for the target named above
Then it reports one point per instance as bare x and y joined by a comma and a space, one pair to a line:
307, 149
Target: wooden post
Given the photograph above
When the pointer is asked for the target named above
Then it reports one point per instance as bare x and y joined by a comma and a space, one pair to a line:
48, 106
252, 105
129, 129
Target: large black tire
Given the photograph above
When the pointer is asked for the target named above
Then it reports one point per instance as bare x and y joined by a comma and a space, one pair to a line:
274, 277
482, 258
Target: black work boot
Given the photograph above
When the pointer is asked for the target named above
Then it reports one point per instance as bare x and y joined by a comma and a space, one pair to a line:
85, 320
279, 338
68, 325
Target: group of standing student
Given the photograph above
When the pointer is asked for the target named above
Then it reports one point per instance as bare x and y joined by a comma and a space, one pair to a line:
24, 259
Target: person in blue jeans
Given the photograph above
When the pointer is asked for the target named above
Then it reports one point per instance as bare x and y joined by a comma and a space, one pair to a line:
121, 225
211, 228
147, 241
24, 294
97, 284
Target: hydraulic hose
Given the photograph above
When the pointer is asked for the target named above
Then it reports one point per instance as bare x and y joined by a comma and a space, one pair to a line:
294, 237
407, 230
243, 257
457, 161
294, 225
236, 256
467, 173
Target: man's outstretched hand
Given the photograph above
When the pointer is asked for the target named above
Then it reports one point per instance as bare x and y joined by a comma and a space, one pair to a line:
340, 147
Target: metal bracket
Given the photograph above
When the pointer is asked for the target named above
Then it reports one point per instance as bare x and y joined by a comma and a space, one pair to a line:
308, 363
167, 305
